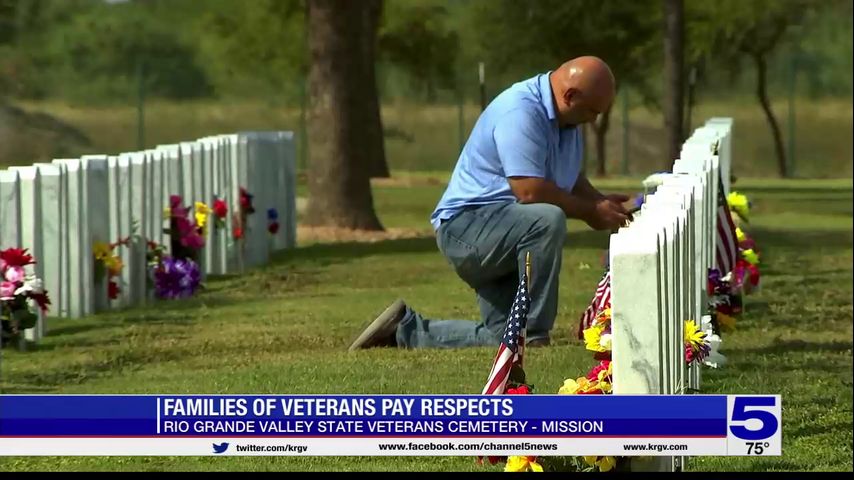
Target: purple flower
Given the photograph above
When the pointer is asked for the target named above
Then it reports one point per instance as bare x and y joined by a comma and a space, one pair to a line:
176, 278
272, 214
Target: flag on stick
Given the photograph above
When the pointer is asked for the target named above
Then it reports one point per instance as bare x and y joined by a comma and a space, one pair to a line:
726, 245
511, 350
601, 301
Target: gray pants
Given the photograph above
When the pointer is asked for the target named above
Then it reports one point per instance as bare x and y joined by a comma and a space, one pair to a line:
487, 246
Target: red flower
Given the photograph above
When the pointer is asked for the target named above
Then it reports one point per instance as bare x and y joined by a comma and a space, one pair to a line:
594, 372
113, 290
238, 232
16, 257
520, 390
41, 300
220, 209
602, 356
246, 201
273, 228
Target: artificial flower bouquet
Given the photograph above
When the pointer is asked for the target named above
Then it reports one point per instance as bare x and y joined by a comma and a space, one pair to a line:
178, 275
109, 263
20, 290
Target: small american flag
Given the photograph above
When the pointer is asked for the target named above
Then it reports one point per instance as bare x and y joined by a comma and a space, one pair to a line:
726, 247
601, 301
512, 347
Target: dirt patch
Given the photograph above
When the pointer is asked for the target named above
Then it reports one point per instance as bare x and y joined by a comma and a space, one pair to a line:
306, 234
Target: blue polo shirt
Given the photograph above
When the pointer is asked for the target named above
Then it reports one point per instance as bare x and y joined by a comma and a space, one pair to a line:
517, 135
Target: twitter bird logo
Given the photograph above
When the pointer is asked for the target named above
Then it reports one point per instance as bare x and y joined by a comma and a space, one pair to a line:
221, 448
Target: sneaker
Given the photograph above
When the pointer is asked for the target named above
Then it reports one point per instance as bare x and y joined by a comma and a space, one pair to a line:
538, 342
381, 332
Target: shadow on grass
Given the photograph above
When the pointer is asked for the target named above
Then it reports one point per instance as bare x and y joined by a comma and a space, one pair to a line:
804, 239
25, 390
783, 347
795, 191
344, 251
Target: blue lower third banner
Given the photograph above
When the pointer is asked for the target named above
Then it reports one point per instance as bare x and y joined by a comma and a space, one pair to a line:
319, 425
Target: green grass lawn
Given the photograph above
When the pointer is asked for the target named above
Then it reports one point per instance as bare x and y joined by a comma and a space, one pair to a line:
285, 328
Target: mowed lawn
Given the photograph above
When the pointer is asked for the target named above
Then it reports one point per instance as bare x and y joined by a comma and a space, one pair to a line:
285, 329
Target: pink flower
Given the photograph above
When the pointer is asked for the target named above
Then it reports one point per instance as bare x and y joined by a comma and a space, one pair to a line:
175, 201
7, 290
193, 240
185, 227
15, 274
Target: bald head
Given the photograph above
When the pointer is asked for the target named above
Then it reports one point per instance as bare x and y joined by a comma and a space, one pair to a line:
583, 88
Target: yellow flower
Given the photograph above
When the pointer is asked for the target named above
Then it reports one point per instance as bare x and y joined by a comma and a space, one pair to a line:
693, 335
519, 463
739, 204
167, 212
593, 337
101, 250
605, 464
571, 387
114, 265
739, 234
725, 322
750, 256
202, 212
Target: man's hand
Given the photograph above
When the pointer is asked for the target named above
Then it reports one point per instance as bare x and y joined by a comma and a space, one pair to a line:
618, 197
608, 214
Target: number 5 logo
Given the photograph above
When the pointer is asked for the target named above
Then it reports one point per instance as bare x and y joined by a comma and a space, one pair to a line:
742, 412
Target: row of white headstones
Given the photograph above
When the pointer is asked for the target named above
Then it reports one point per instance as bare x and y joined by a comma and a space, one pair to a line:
59, 210
659, 268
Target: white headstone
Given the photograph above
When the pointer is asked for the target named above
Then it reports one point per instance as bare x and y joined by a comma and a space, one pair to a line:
31, 232
288, 194
171, 159
212, 251
77, 238
52, 261
237, 169
187, 183
96, 177
199, 180
114, 200
10, 209
126, 228
138, 270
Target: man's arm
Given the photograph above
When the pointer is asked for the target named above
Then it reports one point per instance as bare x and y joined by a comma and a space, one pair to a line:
583, 188
522, 148
599, 213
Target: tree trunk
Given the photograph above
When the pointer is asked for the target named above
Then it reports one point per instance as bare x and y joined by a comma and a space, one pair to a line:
689, 101
600, 129
762, 93
338, 181
374, 143
674, 34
